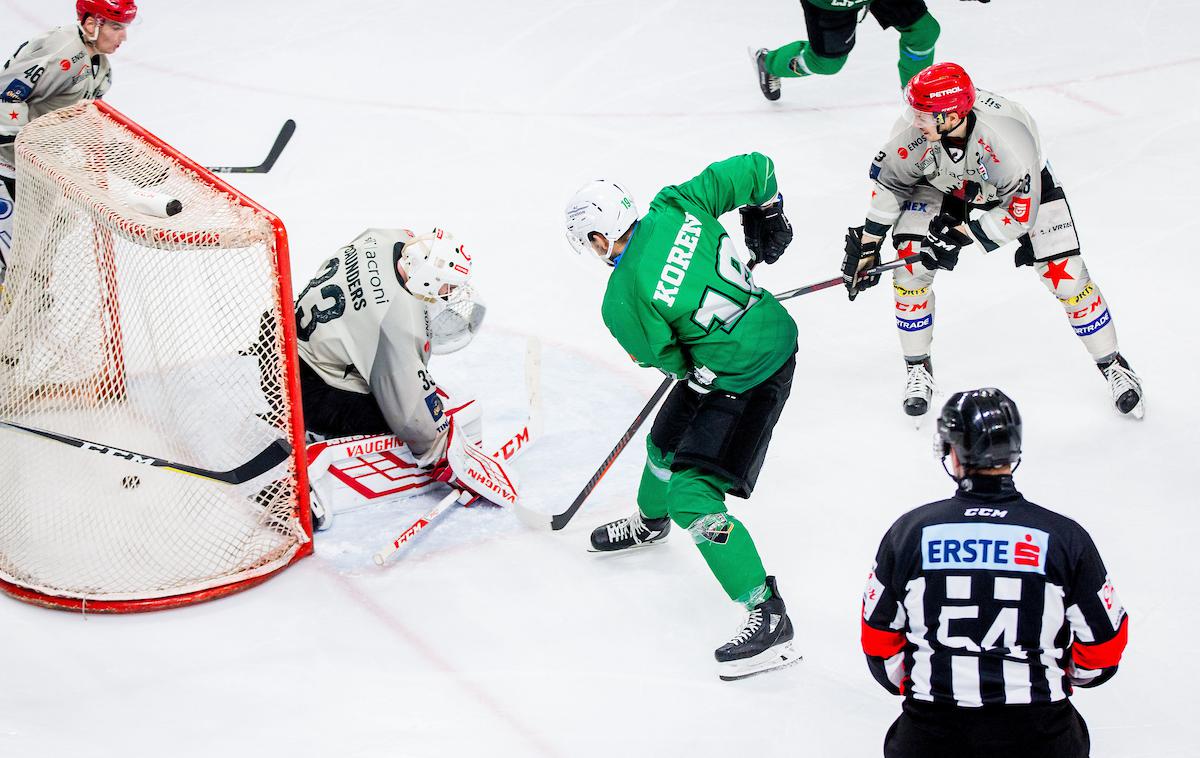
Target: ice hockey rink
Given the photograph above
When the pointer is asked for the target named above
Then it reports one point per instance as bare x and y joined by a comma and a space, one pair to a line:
487, 638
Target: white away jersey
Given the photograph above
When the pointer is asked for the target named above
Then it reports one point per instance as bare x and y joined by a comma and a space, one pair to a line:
47, 73
361, 330
998, 170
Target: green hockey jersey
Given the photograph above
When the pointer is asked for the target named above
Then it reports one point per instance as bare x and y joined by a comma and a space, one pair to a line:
682, 300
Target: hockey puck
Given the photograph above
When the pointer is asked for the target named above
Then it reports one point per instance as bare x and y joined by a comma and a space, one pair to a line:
131, 482
174, 207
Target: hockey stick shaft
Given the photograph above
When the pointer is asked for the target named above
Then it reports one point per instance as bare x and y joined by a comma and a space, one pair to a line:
285, 135
274, 454
454, 497
560, 520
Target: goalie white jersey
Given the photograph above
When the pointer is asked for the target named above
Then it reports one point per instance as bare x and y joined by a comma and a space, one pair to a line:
360, 330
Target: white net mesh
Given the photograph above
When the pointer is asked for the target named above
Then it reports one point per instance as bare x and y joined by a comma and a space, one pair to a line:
156, 335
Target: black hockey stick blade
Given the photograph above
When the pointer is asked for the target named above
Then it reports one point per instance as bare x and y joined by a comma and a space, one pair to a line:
271, 456
285, 134
560, 520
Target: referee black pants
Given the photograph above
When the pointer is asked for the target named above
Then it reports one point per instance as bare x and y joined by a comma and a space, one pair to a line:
1045, 730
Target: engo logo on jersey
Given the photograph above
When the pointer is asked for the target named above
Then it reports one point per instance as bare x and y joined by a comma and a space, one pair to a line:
984, 546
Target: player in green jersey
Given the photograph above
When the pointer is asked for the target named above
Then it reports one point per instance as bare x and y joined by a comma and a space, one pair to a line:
682, 299
831, 31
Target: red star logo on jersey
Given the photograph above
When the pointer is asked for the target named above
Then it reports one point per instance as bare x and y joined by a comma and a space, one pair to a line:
13, 115
1007, 220
907, 252
1056, 272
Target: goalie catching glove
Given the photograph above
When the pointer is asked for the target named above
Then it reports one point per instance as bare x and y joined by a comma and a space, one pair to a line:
467, 467
768, 232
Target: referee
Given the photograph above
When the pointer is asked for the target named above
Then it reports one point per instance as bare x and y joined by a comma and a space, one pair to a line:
984, 611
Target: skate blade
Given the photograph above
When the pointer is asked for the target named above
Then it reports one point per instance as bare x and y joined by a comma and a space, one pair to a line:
1138, 412
631, 548
778, 657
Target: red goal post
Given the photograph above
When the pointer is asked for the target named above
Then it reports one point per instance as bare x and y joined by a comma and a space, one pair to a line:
170, 336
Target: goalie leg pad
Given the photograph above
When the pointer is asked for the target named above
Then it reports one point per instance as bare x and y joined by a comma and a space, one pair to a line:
1086, 309
729, 434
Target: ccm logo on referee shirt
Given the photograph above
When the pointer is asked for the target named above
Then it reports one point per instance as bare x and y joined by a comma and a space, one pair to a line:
998, 547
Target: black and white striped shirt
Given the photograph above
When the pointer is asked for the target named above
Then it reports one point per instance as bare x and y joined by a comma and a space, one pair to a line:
986, 599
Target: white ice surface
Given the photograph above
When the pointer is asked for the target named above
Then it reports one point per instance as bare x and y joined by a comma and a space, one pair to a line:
488, 639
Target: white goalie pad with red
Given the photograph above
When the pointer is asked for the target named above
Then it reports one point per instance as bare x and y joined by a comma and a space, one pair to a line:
350, 472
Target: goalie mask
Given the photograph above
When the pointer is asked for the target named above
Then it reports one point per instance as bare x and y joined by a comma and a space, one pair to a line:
599, 207
454, 321
435, 264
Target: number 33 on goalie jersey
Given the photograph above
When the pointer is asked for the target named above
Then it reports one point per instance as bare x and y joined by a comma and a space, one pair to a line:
976, 603
362, 331
683, 301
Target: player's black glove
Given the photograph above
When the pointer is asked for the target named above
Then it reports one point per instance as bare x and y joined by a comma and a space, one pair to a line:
768, 232
943, 243
860, 256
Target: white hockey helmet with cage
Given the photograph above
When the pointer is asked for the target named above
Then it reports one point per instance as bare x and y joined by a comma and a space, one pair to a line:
602, 207
435, 265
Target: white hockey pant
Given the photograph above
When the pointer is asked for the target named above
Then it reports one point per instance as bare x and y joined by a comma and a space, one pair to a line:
1067, 278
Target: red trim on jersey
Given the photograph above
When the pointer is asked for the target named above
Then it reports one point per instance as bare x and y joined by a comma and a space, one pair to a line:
881, 643
1101, 655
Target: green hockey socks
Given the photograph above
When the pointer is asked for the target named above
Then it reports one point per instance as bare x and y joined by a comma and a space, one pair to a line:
799, 59
916, 46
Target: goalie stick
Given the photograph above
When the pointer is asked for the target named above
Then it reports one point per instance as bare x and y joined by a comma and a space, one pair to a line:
557, 521
509, 450
271, 456
285, 134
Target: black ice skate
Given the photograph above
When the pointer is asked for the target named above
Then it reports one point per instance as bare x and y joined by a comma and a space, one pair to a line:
767, 83
918, 387
634, 531
1125, 386
763, 643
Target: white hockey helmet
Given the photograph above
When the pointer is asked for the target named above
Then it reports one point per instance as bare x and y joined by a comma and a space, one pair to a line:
435, 264
603, 207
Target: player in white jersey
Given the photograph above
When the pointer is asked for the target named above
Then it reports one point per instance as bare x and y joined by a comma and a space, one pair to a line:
964, 166
52, 71
366, 326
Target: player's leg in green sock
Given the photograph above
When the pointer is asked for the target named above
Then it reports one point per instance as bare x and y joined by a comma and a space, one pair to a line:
799, 59
916, 46
656, 477
697, 503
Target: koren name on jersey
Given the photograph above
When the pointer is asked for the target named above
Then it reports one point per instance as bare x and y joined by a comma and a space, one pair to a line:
997, 547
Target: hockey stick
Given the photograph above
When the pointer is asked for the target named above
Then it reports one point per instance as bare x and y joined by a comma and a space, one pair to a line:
511, 448
559, 520
274, 454
285, 134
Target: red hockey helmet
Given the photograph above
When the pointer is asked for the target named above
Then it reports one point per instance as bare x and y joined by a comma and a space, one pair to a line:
118, 11
941, 88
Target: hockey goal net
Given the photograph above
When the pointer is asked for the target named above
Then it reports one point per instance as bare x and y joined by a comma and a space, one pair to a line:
149, 405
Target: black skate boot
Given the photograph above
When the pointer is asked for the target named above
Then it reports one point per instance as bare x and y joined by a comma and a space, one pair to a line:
769, 85
763, 643
634, 531
918, 386
1125, 386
